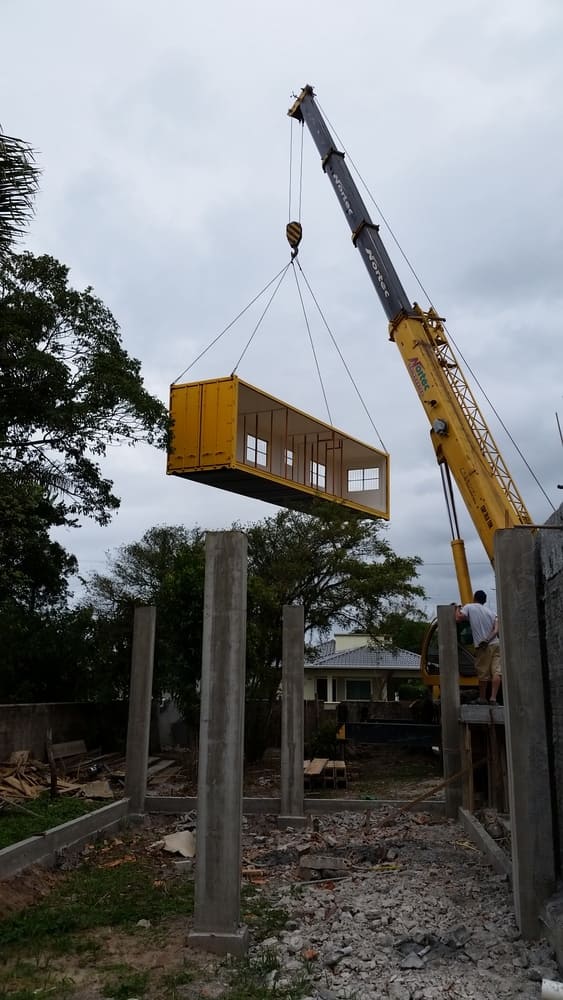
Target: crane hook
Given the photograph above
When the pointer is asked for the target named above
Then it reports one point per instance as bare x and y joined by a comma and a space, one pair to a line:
294, 232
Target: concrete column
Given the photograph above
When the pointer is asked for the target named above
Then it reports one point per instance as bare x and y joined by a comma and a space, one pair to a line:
140, 698
533, 858
292, 729
449, 702
221, 744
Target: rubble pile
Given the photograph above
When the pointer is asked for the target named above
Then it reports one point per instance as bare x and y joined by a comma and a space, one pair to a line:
391, 906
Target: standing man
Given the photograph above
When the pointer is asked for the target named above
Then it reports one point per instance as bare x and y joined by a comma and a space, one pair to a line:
484, 627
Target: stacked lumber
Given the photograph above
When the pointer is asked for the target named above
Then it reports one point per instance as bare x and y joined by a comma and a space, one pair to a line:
78, 772
21, 777
321, 771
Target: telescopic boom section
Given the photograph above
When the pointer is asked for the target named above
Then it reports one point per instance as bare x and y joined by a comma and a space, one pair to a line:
365, 233
459, 433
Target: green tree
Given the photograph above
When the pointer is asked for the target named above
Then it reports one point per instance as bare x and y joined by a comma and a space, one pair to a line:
341, 569
48, 655
405, 631
34, 570
18, 185
166, 568
68, 389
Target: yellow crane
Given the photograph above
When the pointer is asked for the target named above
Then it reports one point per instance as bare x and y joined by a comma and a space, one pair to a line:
464, 446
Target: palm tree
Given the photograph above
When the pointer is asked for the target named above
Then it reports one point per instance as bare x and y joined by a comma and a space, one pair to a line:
19, 178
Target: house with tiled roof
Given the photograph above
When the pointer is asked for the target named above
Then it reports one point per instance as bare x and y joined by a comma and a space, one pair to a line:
356, 668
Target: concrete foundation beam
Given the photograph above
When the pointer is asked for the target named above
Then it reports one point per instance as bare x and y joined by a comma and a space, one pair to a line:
495, 854
46, 850
178, 805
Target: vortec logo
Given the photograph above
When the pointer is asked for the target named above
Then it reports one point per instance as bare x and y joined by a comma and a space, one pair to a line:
375, 267
418, 375
342, 192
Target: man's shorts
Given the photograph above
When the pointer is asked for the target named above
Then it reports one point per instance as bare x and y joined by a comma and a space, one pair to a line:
487, 661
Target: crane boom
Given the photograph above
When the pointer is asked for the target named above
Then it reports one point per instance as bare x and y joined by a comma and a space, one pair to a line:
461, 438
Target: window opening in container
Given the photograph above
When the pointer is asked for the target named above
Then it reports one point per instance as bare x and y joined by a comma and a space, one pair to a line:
361, 480
288, 458
318, 475
256, 450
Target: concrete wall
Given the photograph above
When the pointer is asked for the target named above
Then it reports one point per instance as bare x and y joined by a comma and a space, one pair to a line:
529, 577
550, 573
23, 727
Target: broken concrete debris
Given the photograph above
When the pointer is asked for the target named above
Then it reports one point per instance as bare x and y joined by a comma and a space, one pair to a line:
433, 921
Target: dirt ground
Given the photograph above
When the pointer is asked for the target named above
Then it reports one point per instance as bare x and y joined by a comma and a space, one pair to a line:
380, 772
372, 774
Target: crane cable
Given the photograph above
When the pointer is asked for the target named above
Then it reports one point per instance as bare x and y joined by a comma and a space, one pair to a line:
294, 233
307, 324
343, 360
281, 275
428, 297
264, 311
291, 174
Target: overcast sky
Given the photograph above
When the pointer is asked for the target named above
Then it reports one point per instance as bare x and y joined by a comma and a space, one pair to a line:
162, 135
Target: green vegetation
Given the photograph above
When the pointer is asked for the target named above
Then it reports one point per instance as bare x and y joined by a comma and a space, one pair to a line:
68, 390
19, 177
39, 815
128, 984
48, 949
262, 919
324, 742
397, 773
248, 980
341, 570
92, 897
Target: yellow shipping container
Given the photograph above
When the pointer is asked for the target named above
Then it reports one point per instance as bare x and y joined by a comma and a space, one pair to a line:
229, 434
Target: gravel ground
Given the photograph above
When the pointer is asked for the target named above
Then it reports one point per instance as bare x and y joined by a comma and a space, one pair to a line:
411, 910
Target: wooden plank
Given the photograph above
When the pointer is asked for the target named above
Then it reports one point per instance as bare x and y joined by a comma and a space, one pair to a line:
496, 792
329, 774
160, 765
316, 767
335, 773
468, 784
340, 774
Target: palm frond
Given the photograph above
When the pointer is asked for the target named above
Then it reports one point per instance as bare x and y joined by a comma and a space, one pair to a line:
19, 179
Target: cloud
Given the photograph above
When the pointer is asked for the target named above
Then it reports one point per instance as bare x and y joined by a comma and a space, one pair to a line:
164, 143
